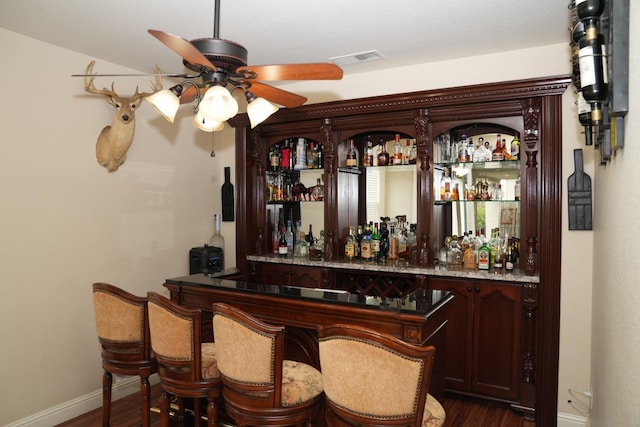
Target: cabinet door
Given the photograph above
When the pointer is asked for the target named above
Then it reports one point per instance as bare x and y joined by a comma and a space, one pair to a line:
276, 274
496, 339
306, 277
457, 353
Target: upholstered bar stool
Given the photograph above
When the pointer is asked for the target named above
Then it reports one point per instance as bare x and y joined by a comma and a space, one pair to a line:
260, 387
374, 379
187, 367
123, 330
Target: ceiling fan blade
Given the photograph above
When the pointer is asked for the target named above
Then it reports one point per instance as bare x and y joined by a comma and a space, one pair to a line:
277, 96
188, 95
311, 71
184, 48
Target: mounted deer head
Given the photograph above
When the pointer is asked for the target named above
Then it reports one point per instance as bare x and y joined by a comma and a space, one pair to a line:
115, 140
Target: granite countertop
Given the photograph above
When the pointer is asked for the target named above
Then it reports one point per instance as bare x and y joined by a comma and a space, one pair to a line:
397, 268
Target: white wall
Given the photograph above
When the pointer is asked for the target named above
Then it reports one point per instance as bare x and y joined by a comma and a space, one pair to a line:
616, 284
67, 223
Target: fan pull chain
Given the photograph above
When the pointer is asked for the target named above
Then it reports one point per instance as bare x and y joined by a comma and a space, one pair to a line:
213, 153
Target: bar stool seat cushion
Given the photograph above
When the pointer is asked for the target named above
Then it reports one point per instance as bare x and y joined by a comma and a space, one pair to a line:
300, 383
434, 414
209, 362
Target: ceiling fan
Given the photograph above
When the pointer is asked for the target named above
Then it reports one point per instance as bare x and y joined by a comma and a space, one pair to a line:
219, 63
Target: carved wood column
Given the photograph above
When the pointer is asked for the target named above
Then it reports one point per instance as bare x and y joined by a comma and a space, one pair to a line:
422, 124
258, 177
531, 138
330, 191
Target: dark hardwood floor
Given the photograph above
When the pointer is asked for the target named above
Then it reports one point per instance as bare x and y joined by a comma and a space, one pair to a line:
461, 412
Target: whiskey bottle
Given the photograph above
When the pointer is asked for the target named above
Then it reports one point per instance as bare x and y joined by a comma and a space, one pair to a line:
365, 245
463, 154
350, 245
352, 156
367, 159
397, 151
383, 156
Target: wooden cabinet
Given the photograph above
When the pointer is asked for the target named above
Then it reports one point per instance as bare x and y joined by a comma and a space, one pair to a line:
512, 326
293, 275
483, 337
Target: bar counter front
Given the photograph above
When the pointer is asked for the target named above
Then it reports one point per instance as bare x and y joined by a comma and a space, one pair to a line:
419, 318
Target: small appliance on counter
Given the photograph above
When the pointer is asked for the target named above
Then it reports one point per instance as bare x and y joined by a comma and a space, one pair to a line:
206, 259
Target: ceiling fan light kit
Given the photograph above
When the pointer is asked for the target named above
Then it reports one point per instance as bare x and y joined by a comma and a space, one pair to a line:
221, 63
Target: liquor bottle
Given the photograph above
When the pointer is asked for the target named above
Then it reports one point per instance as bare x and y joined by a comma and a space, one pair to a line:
397, 151
506, 154
413, 154
275, 238
350, 245
367, 159
402, 244
484, 257
352, 156
469, 259
383, 156
365, 245
516, 190
406, 152
216, 239
509, 261
515, 147
301, 248
384, 241
375, 242
283, 249
463, 154
481, 153
285, 155
317, 193
454, 256
445, 186
274, 157
393, 244
470, 149
288, 235
309, 237
312, 156
358, 241
498, 262
497, 154
301, 154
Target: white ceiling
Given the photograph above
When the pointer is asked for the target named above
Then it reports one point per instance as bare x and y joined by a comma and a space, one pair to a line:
405, 32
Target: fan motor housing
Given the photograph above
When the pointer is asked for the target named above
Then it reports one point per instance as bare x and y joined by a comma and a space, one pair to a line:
224, 54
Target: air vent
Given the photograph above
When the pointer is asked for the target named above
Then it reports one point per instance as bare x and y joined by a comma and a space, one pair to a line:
354, 58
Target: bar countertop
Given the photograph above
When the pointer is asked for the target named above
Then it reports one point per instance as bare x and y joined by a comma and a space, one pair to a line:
419, 302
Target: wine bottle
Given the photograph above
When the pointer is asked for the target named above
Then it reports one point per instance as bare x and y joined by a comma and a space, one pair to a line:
584, 115
216, 239
352, 156
593, 72
283, 248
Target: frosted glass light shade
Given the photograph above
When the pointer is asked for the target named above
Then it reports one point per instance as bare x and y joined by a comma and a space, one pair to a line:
217, 104
165, 102
205, 124
258, 110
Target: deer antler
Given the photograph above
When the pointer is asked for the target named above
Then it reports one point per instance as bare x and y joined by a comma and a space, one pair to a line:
90, 87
